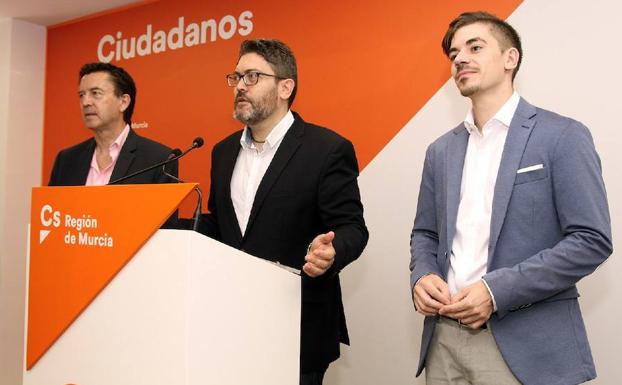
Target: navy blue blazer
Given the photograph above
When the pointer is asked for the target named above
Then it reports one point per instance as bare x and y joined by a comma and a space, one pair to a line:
550, 227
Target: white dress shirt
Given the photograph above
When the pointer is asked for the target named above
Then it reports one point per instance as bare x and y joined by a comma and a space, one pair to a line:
469, 256
251, 166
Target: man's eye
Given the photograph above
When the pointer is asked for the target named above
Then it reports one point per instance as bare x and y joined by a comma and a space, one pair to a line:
476, 48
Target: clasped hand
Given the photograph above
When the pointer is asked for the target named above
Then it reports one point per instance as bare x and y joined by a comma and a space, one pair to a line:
471, 306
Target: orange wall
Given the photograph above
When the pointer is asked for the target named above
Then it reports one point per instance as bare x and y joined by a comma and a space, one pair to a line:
364, 68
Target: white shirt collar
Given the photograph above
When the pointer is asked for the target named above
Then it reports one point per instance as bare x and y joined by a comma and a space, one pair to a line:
503, 116
275, 136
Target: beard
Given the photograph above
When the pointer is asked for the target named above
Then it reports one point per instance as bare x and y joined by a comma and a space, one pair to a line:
256, 110
466, 86
468, 90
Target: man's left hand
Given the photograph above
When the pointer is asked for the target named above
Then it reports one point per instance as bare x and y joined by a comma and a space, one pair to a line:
321, 255
472, 306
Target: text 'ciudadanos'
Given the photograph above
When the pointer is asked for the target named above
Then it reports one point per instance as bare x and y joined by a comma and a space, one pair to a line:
117, 48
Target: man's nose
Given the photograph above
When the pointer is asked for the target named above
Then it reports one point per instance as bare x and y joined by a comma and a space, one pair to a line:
85, 100
461, 58
241, 86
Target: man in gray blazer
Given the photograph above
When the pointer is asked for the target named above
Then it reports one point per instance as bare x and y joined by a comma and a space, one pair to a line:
512, 212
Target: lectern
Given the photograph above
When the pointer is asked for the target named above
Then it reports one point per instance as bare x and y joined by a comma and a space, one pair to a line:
114, 300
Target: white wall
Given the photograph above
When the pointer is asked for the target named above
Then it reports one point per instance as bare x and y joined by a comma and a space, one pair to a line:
571, 66
22, 61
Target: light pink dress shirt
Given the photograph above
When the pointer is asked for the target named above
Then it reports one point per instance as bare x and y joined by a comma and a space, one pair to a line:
99, 177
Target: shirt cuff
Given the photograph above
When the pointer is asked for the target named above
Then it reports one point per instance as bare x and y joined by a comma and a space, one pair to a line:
492, 296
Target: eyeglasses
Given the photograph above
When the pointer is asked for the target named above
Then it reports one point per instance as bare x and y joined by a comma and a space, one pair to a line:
250, 78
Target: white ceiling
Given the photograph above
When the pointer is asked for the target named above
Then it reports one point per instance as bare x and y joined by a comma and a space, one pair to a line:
50, 12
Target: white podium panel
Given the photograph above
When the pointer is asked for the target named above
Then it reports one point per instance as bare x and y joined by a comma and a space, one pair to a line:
184, 310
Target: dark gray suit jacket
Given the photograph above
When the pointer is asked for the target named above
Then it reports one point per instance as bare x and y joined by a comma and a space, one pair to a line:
550, 227
72, 164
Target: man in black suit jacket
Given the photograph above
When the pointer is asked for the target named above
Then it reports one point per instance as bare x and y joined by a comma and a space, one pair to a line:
107, 98
286, 190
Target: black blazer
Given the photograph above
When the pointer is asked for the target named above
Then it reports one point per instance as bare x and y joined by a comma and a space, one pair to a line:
309, 188
72, 164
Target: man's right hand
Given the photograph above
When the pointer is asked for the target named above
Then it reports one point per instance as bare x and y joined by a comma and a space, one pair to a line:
430, 294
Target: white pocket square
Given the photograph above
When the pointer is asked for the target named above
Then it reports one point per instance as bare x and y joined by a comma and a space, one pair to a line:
530, 168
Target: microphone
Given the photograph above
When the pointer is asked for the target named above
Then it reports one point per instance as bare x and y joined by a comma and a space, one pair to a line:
174, 153
196, 143
196, 217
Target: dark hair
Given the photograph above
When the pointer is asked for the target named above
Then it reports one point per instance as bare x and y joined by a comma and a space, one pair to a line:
122, 81
503, 32
278, 55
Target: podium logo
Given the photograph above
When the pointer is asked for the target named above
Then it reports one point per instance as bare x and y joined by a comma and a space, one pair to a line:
49, 218
79, 228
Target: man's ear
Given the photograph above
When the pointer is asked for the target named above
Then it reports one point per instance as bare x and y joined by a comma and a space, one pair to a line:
286, 87
511, 58
125, 102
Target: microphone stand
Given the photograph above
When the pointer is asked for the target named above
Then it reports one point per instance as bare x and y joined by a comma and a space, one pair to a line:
197, 210
161, 164
198, 142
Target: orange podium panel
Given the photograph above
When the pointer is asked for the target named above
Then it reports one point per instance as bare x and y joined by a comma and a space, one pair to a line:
80, 238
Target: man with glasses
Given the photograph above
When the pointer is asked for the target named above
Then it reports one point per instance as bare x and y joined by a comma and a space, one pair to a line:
286, 190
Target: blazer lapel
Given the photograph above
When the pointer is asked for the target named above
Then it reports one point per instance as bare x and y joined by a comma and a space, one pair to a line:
83, 165
518, 135
289, 145
230, 156
126, 157
456, 151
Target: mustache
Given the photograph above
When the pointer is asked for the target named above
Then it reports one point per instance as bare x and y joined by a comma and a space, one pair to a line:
241, 98
464, 67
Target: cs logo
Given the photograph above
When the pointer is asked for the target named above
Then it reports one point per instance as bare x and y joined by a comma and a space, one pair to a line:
49, 217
